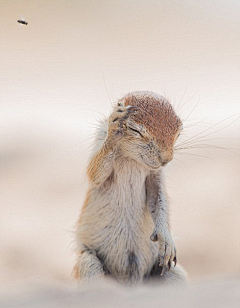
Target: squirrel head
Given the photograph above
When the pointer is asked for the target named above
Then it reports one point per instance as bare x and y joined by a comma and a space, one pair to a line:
152, 130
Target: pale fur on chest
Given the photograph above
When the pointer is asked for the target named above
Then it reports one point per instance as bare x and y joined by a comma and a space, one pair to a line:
117, 223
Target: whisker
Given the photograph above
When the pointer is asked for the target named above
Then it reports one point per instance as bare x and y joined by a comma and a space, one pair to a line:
211, 128
179, 104
191, 125
193, 119
94, 125
220, 138
184, 163
188, 100
192, 143
196, 155
209, 146
106, 88
192, 111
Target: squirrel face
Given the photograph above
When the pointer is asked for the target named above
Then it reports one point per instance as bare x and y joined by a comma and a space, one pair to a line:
152, 130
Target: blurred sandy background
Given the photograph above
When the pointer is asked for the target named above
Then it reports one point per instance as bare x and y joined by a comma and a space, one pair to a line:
61, 72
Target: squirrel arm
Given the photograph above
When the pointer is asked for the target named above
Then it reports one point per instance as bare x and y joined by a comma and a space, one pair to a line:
110, 133
101, 164
157, 202
159, 209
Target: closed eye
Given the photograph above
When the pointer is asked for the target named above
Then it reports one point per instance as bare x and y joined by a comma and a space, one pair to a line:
136, 131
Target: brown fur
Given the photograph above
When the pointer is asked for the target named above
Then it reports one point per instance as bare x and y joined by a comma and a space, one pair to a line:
157, 114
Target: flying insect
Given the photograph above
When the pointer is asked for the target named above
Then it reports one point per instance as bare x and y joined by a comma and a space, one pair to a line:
23, 22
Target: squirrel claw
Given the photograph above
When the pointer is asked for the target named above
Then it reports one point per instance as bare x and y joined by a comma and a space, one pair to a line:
167, 251
163, 271
175, 261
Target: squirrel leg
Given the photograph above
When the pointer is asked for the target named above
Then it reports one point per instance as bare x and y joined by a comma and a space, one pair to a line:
88, 267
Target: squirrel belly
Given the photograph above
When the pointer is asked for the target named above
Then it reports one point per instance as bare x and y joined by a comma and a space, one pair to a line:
118, 225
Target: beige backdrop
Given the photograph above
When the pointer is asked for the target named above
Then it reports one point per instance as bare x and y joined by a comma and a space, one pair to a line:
62, 71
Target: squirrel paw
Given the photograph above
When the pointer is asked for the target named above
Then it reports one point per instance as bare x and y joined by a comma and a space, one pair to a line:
117, 121
167, 251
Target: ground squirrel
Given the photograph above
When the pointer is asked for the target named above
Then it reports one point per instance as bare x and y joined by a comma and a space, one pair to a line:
123, 230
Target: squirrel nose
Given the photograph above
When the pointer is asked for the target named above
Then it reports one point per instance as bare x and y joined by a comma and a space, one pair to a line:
166, 158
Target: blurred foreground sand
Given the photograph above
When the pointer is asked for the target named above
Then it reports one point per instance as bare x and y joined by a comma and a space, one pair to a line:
220, 294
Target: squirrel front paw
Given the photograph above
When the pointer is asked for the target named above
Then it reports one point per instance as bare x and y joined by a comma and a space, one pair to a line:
167, 251
117, 121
